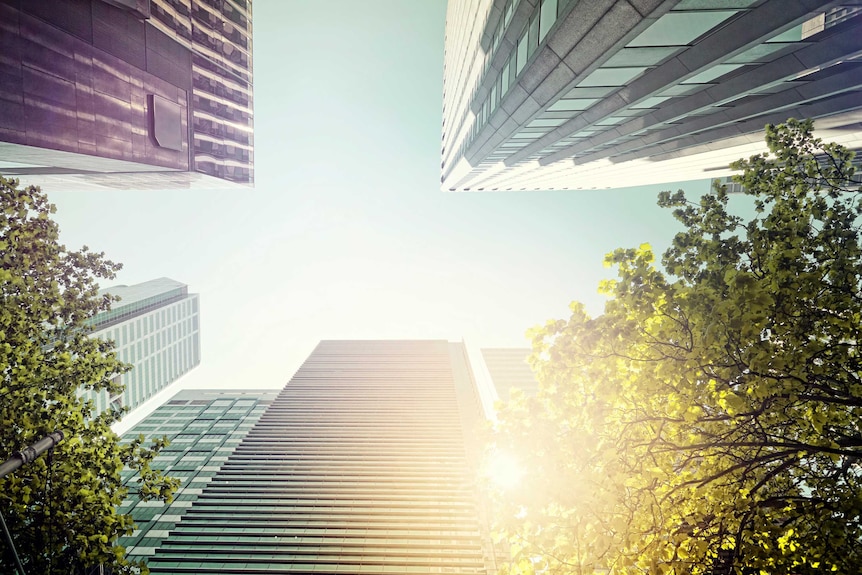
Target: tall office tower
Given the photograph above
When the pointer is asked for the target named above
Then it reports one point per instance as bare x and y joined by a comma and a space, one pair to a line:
571, 94
508, 369
204, 427
360, 465
126, 94
155, 327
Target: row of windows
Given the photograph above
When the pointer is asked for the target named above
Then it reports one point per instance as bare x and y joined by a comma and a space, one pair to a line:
667, 36
643, 53
119, 311
186, 460
240, 525
132, 351
253, 535
544, 16
250, 552
150, 375
151, 322
160, 566
656, 43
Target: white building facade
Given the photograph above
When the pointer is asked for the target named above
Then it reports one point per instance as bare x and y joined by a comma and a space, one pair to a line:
155, 327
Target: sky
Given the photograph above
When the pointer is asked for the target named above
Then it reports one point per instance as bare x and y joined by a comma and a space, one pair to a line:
346, 234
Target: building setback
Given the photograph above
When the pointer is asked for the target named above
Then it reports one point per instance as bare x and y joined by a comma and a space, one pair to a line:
126, 94
569, 94
509, 370
360, 465
155, 327
204, 427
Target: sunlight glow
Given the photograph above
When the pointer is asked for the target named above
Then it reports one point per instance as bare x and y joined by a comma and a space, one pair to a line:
503, 470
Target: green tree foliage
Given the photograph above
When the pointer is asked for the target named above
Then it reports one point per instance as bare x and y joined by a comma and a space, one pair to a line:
61, 509
709, 420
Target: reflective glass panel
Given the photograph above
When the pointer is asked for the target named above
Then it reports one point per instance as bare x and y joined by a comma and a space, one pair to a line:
711, 74
649, 56
611, 76
573, 105
680, 28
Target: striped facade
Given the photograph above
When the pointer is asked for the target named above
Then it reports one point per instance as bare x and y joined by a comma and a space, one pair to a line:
218, 33
362, 464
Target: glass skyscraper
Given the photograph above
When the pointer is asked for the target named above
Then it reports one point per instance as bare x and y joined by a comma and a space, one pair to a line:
361, 464
204, 427
155, 327
127, 94
571, 94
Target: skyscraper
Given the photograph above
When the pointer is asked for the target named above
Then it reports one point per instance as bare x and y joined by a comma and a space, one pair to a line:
362, 464
569, 94
509, 370
126, 94
204, 427
155, 327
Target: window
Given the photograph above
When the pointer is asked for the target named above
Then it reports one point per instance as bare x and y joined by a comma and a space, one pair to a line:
573, 105
712, 73
547, 17
546, 122
611, 77
522, 51
680, 28
648, 56
534, 34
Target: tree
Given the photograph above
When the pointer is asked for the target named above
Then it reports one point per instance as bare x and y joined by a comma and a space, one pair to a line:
709, 420
61, 508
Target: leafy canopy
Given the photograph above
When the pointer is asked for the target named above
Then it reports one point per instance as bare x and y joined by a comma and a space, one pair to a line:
61, 508
709, 420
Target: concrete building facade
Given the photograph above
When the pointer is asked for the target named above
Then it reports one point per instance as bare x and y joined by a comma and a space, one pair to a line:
569, 94
155, 327
361, 464
126, 94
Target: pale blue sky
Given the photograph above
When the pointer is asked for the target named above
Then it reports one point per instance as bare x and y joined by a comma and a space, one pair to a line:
347, 234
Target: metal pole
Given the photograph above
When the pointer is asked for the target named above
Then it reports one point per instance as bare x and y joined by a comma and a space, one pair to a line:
11, 545
30, 453
19, 458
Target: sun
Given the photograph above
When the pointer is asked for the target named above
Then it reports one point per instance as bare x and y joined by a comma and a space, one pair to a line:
503, 469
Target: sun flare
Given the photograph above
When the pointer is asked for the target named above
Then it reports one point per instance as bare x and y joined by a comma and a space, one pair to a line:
504, 470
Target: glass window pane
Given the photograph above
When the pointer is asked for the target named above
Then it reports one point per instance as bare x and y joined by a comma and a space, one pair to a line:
598, 92
680, 28
547, 17
649, 56
573, 105
650, 102
534, 35
792, 35
759, 54
711, 74
610, 121
611, 76
712, 4
506, 78
546, 122
522, 51
681, 90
